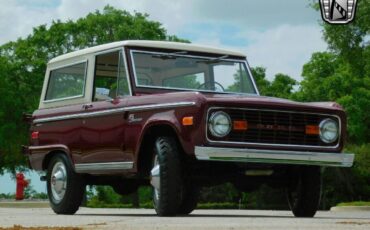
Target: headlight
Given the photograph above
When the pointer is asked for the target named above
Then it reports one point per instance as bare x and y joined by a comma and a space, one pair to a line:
329, 130
219, 124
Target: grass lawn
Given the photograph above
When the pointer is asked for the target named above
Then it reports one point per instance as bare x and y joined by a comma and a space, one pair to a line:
354, 203
21, 204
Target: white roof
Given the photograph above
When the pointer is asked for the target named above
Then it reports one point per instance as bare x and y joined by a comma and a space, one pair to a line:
149, 44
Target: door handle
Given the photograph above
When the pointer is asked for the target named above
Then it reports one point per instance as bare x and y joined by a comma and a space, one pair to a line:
87, 106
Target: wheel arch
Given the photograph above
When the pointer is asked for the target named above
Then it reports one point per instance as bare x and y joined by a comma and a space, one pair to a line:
151, 132
51, 154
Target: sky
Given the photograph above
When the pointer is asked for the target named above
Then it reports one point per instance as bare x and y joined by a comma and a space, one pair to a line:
279, 35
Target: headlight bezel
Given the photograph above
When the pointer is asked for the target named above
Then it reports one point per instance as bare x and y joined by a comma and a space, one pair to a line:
322, 125
211, 125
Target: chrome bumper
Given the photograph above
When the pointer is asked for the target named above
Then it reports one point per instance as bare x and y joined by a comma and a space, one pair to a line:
274, 156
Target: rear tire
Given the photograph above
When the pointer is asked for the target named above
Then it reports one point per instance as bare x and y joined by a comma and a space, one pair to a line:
304, 196
65, 187
166, 176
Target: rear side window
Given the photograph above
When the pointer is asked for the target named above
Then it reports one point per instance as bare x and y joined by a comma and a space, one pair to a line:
66, 82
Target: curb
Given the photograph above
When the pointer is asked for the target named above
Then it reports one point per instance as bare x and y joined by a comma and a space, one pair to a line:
349, 208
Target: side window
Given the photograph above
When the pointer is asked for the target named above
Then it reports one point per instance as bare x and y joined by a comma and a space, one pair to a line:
110, 80
66, 82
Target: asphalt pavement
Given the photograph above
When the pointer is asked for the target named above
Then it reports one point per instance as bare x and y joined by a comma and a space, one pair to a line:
140, 219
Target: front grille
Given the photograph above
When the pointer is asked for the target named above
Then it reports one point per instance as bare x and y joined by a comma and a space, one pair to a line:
274, 127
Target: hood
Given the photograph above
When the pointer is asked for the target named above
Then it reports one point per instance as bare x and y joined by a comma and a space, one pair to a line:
267, 102
239, 101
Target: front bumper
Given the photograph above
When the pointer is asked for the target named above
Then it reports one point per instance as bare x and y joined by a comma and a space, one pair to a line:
274, 156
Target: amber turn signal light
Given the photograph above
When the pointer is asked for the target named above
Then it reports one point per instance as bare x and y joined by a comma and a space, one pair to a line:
312, 130
240, 125
186, 121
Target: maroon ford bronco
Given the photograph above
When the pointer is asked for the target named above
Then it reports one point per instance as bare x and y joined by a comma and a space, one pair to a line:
177, 117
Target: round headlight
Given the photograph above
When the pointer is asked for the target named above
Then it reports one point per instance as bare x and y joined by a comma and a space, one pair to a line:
329, 130
219, 124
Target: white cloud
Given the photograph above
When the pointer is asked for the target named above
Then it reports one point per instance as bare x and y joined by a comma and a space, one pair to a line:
16, 20
285, 49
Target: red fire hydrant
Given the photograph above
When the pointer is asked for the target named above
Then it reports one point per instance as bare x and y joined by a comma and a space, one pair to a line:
21, 185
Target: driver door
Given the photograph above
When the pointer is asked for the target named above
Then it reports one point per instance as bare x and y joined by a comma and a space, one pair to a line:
103, 132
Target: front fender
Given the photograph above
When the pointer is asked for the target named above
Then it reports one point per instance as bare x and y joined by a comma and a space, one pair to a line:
172, 120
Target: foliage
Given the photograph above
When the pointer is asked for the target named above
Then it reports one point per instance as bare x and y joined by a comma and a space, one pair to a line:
30, 194
23, 64
342, 74
104, 196
219, 205
220, 194
7, 196
223, 196
266, 197
282, 86
327, 77
259, 74
348, 184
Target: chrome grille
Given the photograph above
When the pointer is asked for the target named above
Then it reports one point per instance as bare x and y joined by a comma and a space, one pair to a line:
274, 127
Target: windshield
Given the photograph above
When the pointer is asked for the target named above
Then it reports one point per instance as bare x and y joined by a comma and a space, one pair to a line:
181, 72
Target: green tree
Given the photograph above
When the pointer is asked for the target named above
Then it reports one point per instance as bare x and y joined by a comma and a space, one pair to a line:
259, 74
23, 64
342, 74
282, 86
329, 77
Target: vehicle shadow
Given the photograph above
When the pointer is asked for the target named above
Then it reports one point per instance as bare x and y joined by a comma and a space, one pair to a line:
224, 216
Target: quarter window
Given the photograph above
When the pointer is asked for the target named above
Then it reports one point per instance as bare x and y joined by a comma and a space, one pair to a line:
66, 82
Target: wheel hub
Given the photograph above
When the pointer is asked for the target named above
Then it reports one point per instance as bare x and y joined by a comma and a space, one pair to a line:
58, 181
155, 179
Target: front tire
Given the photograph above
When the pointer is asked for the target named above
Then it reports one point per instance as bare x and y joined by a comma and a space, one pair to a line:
65, 187
189, 200
166, 177
304, 195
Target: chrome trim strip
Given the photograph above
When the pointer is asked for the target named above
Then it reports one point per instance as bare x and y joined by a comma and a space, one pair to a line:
251, 77
127, 70
112, 111
132, 51
274, 156
89, 167
271, 144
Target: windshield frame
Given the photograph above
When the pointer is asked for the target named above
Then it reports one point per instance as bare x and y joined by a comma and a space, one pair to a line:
210, 57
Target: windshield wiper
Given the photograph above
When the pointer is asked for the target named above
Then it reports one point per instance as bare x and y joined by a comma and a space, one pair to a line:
213, 60
169, 55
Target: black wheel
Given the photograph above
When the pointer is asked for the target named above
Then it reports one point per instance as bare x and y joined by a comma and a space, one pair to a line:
65, 187
189, 199
166, 177
304, 195
125, 187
